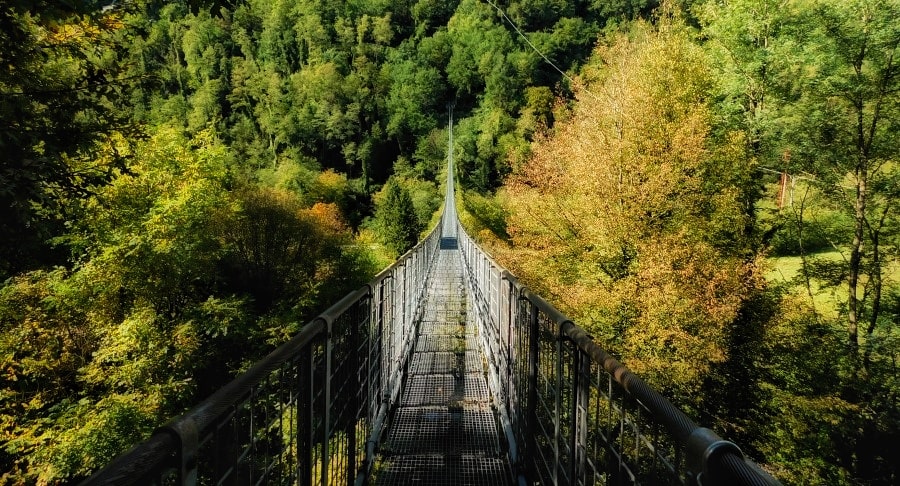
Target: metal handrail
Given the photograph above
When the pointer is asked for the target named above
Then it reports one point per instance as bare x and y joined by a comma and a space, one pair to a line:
312, 411
572, 444
188, 449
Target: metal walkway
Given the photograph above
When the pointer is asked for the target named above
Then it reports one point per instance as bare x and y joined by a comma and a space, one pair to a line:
390, 386
445, 430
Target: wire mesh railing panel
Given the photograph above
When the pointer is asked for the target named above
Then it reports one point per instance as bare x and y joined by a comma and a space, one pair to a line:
314, 410
573, 413
444, 430
309, 413
546, 432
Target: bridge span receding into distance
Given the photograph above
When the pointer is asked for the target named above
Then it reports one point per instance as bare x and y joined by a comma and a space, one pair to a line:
443, 370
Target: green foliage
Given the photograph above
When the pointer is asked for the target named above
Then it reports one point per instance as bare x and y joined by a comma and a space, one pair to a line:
634, 251
817, 232
272, 250
622, 9
78, 437
430, 157
538, 110
415, 92
58, 103
396, 220
431, 15
832, 114
633, 196
483, 215
180, 280
51, 430
44, 337
486, 146
426, 200
268, 125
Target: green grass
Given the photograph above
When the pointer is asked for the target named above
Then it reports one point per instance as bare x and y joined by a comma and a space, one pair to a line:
788, 270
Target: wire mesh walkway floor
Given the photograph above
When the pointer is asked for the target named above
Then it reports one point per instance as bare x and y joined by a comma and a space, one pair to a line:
445, 431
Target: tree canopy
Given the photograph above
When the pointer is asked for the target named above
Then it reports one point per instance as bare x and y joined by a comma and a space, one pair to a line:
708, 186
717, 207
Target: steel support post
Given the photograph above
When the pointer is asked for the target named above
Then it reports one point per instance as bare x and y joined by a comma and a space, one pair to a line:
357, 373
326, 400
305, 412
531, 404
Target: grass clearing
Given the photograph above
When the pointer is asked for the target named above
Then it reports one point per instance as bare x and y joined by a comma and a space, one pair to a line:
787, 270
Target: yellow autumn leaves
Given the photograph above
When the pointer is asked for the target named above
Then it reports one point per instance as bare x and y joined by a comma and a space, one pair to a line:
617, 213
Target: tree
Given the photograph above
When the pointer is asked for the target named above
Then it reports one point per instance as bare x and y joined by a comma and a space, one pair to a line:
620, 213
398, 225
753, 49
846, 134
91, 351
415, 92
274, 248
429, 15
58, 106
843, 127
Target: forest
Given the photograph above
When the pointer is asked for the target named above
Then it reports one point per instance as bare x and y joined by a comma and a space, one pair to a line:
709, 187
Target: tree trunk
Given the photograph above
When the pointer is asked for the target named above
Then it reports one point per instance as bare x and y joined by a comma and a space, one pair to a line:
804, 258
853, 304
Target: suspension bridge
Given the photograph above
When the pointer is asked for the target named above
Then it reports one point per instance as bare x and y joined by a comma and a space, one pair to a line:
443, 370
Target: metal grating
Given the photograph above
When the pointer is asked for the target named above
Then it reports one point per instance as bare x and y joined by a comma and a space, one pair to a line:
441, 470
445, 430
445, 390
443, 363
442, 430
437, 343
445, 329
474, 362
444, 315
428, 363
472, 342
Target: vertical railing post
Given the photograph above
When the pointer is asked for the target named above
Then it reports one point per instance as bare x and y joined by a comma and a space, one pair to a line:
533, 368
573, 416
495, 290
387, 336
373, 388
397, 323
359, 381
326, 414
557, 412
408, 284
188, 436
305, 406
387, 323
226, 455
580, 390
505, 334
403, 303
381, 343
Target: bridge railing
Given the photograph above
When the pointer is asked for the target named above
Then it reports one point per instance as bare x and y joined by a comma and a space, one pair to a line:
572, 413
309, 413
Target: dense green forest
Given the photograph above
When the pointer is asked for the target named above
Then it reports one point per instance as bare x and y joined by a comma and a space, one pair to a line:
710, 189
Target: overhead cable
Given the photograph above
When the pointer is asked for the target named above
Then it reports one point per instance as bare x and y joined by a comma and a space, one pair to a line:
546, 59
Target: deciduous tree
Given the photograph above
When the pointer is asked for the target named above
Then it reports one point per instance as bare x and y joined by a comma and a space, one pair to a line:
623, 206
